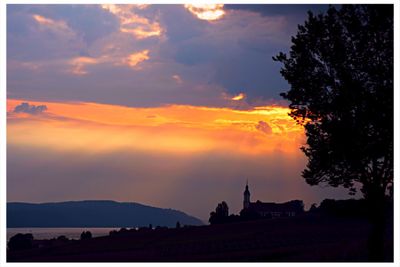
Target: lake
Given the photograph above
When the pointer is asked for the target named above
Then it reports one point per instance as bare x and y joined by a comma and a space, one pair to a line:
48, 233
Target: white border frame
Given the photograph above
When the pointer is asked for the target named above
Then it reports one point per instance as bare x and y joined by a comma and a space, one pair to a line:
3, 132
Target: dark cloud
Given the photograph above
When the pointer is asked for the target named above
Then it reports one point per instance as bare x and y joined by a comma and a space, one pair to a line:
30, 109
264, 127
86, 23
231, 55
91, 22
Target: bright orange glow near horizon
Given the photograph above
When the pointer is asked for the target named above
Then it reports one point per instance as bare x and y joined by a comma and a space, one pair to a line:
91, 128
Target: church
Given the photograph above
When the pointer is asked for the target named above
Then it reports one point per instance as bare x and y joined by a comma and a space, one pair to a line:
271, 209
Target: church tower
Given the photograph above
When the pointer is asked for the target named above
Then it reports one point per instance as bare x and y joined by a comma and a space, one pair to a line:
246, 197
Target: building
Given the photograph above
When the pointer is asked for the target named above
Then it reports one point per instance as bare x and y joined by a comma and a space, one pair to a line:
271, 209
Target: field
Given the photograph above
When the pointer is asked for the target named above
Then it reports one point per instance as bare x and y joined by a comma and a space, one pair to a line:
304, 239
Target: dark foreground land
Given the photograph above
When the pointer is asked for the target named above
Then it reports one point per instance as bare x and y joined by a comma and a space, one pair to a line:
304, 238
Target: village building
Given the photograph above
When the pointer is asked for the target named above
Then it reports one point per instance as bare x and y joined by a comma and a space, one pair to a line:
271, 209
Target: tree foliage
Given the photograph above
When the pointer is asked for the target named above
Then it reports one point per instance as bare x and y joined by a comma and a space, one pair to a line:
86, 235
340, 68
20, 242
220, 215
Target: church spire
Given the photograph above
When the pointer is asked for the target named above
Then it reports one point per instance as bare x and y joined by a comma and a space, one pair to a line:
246, 196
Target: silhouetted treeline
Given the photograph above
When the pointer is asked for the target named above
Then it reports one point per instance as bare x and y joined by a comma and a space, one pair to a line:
346, 208
20, 242
147, 229
352, 208
86, 235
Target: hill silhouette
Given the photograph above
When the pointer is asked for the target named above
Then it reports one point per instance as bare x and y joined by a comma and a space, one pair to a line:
93, 213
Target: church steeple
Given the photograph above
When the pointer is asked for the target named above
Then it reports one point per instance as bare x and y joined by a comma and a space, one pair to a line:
246, 196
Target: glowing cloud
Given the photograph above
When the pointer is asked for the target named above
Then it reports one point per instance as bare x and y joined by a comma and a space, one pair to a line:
78, 64
132, 23
141, 6
238, 97
135, 58
177, 78
206, 11
58, 26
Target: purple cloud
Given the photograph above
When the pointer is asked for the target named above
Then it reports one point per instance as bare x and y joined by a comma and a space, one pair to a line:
30, 109
264, 127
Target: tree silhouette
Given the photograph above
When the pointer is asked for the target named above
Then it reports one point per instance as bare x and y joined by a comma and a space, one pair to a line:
62, 238
20, 242
86, 235
340, 68
220, 215
222, 209
313, 208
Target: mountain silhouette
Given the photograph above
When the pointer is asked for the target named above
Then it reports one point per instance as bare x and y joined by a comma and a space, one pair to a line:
93, 213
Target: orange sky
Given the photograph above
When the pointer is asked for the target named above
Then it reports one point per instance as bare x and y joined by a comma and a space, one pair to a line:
93, 128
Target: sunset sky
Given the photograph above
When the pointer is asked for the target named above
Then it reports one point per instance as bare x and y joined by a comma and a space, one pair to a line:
173, 106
